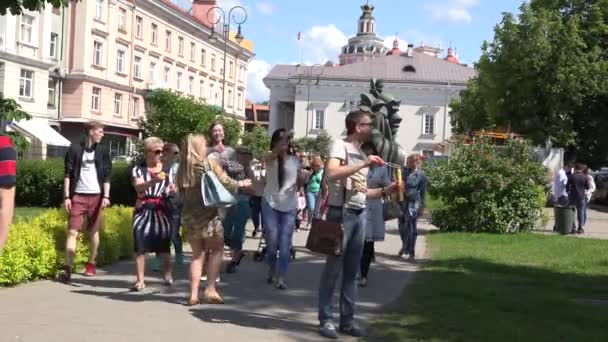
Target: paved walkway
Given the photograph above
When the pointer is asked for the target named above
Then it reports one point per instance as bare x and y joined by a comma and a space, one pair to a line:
101, 309
597, 222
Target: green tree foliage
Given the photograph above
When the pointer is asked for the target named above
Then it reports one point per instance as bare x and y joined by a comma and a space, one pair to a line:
544, 75
11, 111
16, 7
319, 145
258, 141
488, 189
171, 117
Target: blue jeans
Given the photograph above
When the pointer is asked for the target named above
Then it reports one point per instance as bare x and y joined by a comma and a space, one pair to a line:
278, 230
353, 223
235, 222
311, 200
581, 213
257, 216
408, 229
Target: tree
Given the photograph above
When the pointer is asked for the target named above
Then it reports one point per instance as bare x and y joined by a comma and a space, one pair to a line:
16, 7
544, 76
257, 141
11, 111
171, 117
318, 145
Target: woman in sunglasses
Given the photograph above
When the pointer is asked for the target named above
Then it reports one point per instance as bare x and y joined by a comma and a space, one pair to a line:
153, 182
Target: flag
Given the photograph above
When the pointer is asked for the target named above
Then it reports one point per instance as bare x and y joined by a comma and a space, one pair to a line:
299, 35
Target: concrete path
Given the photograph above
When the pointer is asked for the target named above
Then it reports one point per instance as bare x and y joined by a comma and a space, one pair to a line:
101, 309
597, 222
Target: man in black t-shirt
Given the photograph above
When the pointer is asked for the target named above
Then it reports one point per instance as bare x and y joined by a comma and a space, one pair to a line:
578, 184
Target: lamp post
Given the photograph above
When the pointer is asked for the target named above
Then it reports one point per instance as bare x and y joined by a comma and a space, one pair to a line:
308, 73
225, 36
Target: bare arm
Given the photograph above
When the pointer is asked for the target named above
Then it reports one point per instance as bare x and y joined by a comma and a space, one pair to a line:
7, 208
66, 187
378, 193
337, 171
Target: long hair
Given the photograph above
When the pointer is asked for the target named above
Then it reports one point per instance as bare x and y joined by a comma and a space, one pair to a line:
211, 141
192, 155
274, 140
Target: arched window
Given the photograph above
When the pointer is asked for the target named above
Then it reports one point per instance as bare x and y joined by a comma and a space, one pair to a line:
409, 68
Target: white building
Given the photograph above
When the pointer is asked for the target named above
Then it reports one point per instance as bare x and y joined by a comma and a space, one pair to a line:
31, 68
314, 99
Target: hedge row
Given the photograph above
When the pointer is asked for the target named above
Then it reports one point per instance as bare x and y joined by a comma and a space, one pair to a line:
36, 247
40, 184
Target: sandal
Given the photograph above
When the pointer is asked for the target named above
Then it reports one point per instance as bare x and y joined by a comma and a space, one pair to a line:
191, 302
216, 299
168, 282
138, 287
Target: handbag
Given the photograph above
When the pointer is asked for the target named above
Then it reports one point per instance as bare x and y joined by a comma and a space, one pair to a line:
325, 237
215, 195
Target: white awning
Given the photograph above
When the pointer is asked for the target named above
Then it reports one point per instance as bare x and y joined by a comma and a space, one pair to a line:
41, 130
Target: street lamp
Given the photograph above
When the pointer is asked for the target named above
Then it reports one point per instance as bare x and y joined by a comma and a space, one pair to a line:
308, 73
214, 37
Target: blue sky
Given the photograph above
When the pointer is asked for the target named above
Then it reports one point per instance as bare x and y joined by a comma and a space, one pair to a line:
326, 25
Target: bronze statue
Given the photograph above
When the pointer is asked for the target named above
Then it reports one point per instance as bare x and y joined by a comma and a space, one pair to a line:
386, 122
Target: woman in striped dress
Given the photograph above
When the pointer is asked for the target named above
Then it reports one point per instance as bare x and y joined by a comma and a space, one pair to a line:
151, 224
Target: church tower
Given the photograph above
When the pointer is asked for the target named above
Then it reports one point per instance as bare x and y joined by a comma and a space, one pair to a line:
365, 45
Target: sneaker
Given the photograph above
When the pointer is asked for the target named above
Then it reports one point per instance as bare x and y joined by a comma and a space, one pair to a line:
412, 257
90, 270
581, 231
328, 330
179, 259
352, 330
280, 284
401, 252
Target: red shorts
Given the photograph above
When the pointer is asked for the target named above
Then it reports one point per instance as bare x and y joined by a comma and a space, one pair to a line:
89, 205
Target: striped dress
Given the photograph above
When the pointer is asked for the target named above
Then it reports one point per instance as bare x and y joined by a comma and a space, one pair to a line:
151, 224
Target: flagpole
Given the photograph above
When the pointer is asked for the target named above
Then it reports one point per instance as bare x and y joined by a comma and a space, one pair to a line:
300, 47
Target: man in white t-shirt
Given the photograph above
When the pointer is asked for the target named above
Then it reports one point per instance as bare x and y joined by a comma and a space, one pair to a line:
346, 173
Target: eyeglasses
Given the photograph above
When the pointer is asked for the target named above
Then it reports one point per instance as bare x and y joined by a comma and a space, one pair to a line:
365, 123
157, 152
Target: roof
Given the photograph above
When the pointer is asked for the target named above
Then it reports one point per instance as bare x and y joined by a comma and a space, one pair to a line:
389, 68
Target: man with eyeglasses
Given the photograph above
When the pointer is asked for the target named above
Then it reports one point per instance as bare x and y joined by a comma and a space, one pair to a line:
86, 192
346, 173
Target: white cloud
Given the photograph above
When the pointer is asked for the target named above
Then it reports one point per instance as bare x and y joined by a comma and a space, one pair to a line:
265, 7
256, 90
388, 42
453, 11
322, 43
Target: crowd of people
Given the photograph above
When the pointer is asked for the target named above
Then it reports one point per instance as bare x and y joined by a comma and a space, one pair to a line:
282, 192
573, 187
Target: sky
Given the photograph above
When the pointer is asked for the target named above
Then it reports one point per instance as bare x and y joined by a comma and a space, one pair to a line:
326, 25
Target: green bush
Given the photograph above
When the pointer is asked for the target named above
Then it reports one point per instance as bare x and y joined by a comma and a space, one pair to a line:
488, 189
36, 247
40, 183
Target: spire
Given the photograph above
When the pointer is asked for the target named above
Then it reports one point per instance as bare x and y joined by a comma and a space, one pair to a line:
396, 42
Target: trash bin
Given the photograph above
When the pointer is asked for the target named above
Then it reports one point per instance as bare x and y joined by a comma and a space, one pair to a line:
564, 219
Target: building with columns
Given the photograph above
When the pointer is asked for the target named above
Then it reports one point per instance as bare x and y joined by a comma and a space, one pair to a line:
313, 99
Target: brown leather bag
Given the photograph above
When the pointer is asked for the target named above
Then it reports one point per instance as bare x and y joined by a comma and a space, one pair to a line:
325, 237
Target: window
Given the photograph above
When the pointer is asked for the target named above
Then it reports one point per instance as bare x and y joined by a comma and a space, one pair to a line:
54, 39
222, 67
139, 23
26, 82
428, 153
168, 40
192, 52
152, 79
27, 24
231, 70
211, 91
230, 98
120, 61
180, 46
167, 75
137, 67
203, 57
117, 104
319, 119
154, 34
239, 101
95, 99
52, 93
122, 19
191, 85
212, 62
242, 73
179, 81
429, 124
201, 93
99, 9
135, 109
97, 52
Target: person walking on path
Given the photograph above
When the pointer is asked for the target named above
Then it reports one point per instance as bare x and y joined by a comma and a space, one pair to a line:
578, 196
202, 225
153, 184
259, 182
8, 180
346, 174
313, 186
279, 205
415, 201
86, 187
589, 192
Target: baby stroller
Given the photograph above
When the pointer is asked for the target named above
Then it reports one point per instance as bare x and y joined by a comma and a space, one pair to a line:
261, 251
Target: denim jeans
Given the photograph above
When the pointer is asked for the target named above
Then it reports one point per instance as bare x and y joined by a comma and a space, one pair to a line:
408, 229
257, 217
278, 230
235, 222
176, 218
581, 213
311, 200
353, 223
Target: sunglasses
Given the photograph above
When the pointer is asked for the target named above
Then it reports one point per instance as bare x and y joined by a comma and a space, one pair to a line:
157, 152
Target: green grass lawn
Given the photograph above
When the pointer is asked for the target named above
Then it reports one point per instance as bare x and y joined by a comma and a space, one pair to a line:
524, 287
27, 212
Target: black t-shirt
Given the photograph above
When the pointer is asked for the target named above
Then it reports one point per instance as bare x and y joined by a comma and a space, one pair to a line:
579, 183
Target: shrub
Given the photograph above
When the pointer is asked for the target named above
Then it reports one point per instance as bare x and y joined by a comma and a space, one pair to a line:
40, 183
487, 189
36, 247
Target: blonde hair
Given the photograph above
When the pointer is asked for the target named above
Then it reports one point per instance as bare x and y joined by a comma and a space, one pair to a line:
193, 154
152, 141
